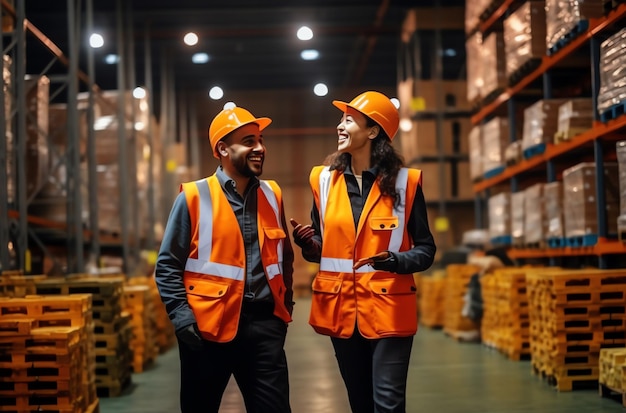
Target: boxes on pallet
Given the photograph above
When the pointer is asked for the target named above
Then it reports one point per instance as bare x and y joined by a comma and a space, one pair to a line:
524, 37
540, 122
474, 72
553, 211
500, 217
475, 153
493, 64
612, 64
534, 215
518, 212
495, 138
580, 201
563, 17
575, 117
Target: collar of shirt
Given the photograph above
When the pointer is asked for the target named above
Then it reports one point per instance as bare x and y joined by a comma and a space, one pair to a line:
229, 185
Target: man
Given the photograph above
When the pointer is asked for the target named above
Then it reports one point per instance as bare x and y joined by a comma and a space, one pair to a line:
224, 272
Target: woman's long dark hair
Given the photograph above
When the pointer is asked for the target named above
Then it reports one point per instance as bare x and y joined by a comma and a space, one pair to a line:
383, 155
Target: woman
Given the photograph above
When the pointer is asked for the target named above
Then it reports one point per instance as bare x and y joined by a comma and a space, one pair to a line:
369, 233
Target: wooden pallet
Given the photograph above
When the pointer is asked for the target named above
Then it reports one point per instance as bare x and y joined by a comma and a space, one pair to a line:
49, 311
567, 135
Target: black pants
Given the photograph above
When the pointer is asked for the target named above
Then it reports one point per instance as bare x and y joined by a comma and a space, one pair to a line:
256, 358
374, 372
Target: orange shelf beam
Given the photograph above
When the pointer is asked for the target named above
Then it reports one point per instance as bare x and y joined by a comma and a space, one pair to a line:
547, 62
599, 130
603, 247
497, 14
46, 223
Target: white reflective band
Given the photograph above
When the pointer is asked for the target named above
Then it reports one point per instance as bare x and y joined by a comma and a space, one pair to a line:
271, 198
396, 236
205, 210
342, 265
273, 270
324, 190
212, 268
273, 201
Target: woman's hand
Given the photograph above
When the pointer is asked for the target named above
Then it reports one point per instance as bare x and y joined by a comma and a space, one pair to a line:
383, 261
302, 234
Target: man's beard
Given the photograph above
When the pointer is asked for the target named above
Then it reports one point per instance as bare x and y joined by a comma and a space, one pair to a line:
244, 169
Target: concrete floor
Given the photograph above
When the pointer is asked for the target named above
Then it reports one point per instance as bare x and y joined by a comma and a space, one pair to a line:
445, 376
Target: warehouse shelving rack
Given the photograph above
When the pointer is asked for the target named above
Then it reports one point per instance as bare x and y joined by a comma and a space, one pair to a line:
591, 140
16, 225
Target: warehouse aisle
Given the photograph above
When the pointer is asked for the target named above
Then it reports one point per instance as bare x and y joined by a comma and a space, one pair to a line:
445, 376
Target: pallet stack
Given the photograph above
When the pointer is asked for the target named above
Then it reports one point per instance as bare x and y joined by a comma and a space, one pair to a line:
164, 329
15, 284
456, 325
505, 324
573, 315
139, 304
613, 372
46, 349
111, 326
431, 310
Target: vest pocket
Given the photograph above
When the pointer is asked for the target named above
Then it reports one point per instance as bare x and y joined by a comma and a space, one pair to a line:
383, 223
394, 306
325, 306
207, 299
275, 233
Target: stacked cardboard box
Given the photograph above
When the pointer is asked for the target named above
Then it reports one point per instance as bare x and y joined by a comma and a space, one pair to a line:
500, 216
580, 199
524, 36
495, 139
612, 71
534, 216
575, 117
541, 122
562, 17
553, 210
493, 64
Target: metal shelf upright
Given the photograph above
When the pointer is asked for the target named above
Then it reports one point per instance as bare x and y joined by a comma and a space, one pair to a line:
16, 226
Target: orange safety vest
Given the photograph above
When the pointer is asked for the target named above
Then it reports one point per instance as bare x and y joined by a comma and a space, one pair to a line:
381, 304
215, 270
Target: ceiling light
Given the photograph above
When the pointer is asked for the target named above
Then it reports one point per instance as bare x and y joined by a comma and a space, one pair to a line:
309, 54
191, 39
139, 92
320, 89
200, 58
229, 105
96, 41
216, 93
305, 33
449, 52
395, 102
111, 59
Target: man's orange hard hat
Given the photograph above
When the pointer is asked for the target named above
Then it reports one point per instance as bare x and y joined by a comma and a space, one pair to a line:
230, 119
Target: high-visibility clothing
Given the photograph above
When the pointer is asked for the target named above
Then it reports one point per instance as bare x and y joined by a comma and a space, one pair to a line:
215, 271
381, 304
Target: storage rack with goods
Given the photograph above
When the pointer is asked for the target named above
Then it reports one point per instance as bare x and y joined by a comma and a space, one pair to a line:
52, 185
435, 115
570, 67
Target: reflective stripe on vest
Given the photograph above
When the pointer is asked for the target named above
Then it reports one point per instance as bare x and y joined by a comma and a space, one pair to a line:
202, 264
273, 270
324, 190
345, 265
